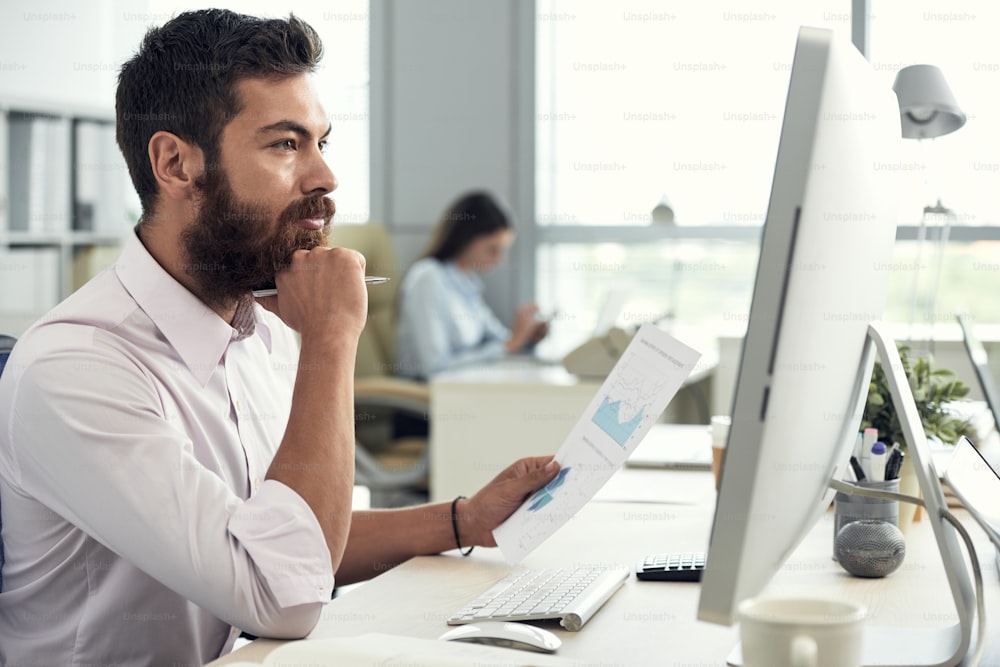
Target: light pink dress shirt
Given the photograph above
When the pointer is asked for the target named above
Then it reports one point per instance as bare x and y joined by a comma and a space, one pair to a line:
135, 434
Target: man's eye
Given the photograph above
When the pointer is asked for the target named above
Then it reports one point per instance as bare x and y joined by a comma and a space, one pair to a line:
286, 144
323, 146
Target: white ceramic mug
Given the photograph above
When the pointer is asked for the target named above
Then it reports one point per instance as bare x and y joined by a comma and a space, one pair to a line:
800, 632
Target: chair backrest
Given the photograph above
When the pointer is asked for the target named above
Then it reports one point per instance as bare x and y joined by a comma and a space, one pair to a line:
377, 347
6, 345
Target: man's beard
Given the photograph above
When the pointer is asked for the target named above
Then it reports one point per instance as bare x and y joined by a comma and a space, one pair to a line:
230, 247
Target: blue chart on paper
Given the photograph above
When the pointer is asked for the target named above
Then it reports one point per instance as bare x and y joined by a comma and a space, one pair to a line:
608, 419
543, 496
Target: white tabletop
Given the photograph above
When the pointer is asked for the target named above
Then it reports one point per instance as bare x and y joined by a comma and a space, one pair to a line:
645, 623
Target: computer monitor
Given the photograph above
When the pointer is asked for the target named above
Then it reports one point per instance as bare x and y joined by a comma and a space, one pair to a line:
807, 357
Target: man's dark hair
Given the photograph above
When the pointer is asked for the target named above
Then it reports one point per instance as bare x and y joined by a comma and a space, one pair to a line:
472, 215
182, 80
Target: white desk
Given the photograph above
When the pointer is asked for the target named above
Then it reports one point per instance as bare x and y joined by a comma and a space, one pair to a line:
645, 623
483, 418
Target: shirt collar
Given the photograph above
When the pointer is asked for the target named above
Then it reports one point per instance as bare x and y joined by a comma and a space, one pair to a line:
198, 334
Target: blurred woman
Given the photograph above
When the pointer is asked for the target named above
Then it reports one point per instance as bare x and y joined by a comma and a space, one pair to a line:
443, 319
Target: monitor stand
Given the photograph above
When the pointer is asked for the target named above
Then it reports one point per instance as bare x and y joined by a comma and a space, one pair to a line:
911, 646
943, 646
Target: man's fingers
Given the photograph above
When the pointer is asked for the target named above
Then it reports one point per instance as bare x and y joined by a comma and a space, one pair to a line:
535, 473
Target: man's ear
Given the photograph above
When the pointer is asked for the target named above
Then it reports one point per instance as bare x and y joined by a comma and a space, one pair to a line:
176, 164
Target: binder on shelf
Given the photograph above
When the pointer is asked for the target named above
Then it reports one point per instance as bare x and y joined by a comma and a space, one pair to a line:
27, 151
91, 260
101, 180
87, 180
59, 173
39, 182
29, 280
57, 179
4, 172
110, 216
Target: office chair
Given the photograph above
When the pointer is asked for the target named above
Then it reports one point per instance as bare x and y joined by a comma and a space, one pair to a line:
394, 469
6, 345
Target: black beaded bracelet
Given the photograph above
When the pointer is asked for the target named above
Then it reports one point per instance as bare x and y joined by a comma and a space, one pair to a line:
454, 526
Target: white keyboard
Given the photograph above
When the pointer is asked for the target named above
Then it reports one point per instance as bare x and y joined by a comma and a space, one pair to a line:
570, 595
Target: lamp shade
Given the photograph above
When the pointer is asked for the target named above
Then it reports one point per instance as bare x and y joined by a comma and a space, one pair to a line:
927, 107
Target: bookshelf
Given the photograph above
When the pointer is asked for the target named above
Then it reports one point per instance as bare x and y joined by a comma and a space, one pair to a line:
65, 204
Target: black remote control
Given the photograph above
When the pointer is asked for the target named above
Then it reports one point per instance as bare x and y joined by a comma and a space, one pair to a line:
681, 566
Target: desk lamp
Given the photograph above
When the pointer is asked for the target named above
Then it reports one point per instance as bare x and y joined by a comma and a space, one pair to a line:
927, 110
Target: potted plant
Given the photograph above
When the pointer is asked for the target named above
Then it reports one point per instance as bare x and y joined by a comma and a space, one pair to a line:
933, 391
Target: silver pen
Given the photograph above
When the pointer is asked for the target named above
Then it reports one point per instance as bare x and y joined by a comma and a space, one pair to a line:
370, 280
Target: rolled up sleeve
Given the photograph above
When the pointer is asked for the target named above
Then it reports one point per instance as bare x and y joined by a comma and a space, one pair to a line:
274, 523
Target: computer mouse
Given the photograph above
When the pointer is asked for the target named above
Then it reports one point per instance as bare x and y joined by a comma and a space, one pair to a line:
505, 634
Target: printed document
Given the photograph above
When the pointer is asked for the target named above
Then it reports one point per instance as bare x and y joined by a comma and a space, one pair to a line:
634, 395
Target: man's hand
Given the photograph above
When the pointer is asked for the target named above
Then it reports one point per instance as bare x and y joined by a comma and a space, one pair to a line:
322, 291
496, 501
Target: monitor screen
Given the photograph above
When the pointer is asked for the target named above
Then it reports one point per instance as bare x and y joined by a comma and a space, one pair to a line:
821, 278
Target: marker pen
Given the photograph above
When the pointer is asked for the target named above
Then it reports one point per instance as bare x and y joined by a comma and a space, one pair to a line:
858, 472
878, 457
857, 446
893, 462
868, 441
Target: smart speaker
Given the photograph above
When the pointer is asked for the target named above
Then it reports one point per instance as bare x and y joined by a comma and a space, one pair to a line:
870, 548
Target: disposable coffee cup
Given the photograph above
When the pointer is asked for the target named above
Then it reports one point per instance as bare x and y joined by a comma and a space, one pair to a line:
800, 632
719, 429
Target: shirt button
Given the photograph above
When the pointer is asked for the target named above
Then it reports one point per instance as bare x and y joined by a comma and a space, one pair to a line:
256, 483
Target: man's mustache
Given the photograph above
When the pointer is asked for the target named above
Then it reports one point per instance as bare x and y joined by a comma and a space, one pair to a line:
313, 207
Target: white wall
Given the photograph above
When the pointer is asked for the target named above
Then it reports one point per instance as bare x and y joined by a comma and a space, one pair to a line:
452, 109
67, 51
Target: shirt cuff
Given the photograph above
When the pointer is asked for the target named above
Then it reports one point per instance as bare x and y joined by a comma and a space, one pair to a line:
279, 531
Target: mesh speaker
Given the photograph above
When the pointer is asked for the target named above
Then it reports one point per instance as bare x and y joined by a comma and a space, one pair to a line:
870, 548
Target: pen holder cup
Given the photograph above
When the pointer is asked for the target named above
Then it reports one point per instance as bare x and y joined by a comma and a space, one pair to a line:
848, 508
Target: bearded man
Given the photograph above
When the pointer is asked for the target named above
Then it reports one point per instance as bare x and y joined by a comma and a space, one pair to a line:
176, 465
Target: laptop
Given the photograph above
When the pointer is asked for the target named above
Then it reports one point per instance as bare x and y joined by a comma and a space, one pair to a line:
607, 316
975, 482
674, 447
981, 365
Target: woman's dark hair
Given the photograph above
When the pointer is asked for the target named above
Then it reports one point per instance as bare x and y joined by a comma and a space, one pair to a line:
469, 217
182, 80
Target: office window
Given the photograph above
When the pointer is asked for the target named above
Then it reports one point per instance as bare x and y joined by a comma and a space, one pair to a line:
342, 82
642, 99
647, 101
931, 282
679, 284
